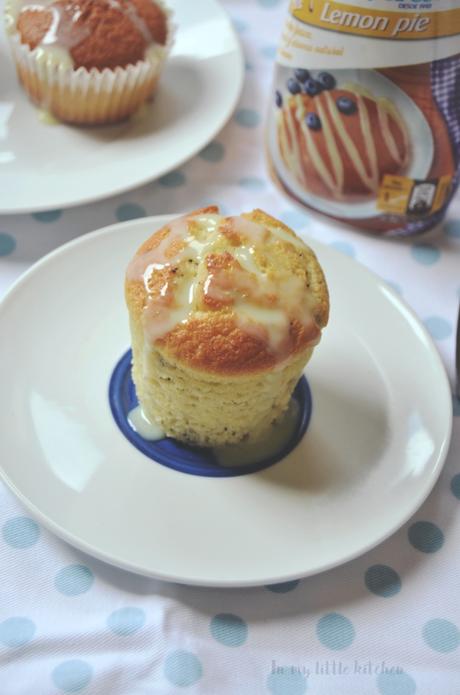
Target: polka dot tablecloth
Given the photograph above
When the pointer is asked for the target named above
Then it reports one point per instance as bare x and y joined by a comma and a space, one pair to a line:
387, 623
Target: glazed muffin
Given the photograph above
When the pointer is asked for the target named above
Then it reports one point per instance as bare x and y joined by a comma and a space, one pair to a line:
224, 315
89, 61
338, 143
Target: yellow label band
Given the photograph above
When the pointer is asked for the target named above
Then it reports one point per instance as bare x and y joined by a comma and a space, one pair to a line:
350, 19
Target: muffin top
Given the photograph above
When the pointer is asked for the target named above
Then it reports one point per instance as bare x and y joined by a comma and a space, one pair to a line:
227, 295
96, 33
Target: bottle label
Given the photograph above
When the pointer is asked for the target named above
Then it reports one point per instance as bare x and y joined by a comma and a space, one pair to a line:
333, 33
365, 122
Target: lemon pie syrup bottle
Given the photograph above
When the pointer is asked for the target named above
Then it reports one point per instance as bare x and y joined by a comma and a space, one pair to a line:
364, 122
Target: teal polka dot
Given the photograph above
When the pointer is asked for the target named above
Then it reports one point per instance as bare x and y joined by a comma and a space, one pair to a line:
335, 631
456, 405
129, 211
394, 286
269, 51
7, 244
283, 587
452, 229
72, 676
126, 621
455, 486
229, 629
213, 152
438, 328
426, 536
425, 254
294, 218
248, 118
239, 25
20, 532
441, 635
16, 632
172, 180
74, 580
252, 183
286, 680
269, 3
382, 580
396, 684
47, 215
344, 247
182, 668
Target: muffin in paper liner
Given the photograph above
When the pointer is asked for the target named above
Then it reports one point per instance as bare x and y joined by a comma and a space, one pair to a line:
78, 95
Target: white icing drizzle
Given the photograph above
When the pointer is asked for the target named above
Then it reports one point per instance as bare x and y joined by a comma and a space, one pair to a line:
140, 423
262, 307
297, 141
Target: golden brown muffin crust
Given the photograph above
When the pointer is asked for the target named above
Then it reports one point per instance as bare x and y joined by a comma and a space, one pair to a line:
211, 340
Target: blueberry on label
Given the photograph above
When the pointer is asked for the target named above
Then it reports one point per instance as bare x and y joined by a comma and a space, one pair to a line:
278, 99
313, 121
346, 105
293, 86
301, 74
326, 80
312, 87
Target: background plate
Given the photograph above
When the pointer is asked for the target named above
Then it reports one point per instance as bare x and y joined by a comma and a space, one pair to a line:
378, 435
56, 166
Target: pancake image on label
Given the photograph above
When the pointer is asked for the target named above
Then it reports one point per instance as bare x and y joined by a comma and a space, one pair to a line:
224, 315
338, 143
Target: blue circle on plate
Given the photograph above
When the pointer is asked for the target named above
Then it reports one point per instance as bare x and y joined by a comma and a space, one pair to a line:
193, 459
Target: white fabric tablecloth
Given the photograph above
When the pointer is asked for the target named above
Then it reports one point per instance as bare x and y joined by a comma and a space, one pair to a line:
385, 623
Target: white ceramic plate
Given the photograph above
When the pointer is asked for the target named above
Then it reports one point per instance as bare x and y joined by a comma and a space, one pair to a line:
55, 166
376, 442
420, 135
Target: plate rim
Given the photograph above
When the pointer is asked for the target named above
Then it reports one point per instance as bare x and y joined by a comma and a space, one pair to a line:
100, 555
142, 181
